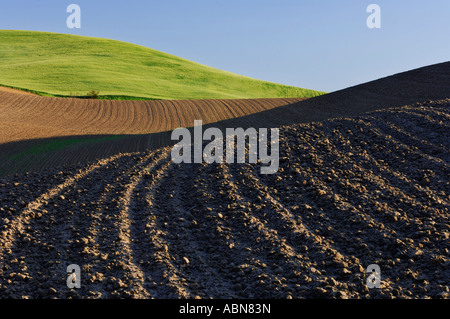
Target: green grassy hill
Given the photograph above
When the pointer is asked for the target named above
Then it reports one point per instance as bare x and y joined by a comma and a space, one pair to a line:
70, 65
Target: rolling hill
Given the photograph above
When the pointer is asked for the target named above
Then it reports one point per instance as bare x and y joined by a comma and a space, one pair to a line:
69, 65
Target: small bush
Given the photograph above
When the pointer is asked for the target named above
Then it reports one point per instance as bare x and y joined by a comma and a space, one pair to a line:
93, 94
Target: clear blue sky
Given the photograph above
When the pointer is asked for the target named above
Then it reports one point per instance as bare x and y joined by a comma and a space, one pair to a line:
317, 44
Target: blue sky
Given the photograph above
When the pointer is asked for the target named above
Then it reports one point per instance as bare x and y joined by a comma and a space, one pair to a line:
318, 44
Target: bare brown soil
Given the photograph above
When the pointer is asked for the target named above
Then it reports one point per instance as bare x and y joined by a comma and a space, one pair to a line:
363, 179
24, 117
350, 192
28, 122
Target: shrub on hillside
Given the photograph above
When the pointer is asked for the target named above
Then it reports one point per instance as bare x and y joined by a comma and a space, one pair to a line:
93, 94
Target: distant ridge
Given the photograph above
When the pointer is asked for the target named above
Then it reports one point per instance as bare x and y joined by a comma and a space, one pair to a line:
417, 85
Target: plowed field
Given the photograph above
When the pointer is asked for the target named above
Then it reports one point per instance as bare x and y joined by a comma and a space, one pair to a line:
24, 116
363, 179
372, 189
40, 132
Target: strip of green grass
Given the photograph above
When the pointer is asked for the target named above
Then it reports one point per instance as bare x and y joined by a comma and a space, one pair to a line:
54, 64
56, 145
38, 154
99, 97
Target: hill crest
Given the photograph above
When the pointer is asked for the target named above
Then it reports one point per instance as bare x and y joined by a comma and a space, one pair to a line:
70, 65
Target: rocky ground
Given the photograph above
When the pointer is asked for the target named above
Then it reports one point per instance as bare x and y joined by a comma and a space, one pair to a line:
350, 192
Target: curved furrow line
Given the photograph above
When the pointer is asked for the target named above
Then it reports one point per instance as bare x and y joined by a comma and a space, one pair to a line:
406, 214
100, 118
54, 112
49, 230
115, 117
402, 133
93, 112
18, 223
125, 116
145, 120
439, 112
22, 104
266, 248
391, 146
292, 100
187, 113
161, 124
201, 110
362, 238
72, 107
15, 193
192, 114
204, 267
424, 121
231, 109
257, 266
211, 111
167, 117
149, 118
387, 230
149, 248
86, 230
8, 100
53, 109
135, 117
415, 124
267, 104
326, 205
243, 105
81, 113
223, 109
426, 256
66, 109
284, 101
291, 224
340, 186
383, 150
106, 117
367, 168
155, 118
259, 105
122, 241
333, 157
425, 146
33, 110
139, 121
427, 119
75, 110
424, 113
230, 247
97, 242
176, 122
72, 116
